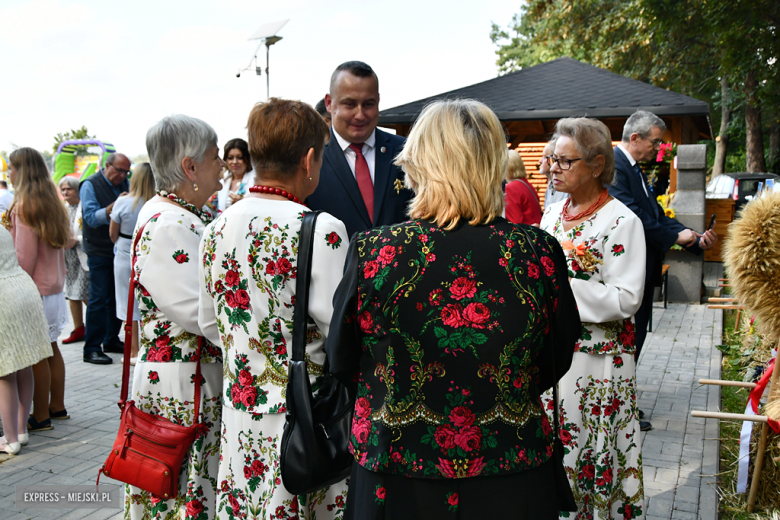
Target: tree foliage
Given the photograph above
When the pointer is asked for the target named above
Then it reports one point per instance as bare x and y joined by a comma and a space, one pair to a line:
683, 45
81, 133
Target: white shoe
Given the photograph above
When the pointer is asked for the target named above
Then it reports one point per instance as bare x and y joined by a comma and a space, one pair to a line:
11, 448
24, 439
132, 361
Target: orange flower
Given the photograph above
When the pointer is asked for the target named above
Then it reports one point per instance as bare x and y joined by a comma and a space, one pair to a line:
567, 244
581, 249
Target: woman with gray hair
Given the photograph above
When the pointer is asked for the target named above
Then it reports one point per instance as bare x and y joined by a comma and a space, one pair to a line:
77, 277
605, 251
186, 165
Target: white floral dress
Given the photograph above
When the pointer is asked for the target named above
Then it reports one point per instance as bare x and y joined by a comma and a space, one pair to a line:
599, 424
248, 273
167, 271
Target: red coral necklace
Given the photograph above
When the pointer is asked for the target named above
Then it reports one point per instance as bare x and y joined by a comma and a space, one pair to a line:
275, 191
591, 210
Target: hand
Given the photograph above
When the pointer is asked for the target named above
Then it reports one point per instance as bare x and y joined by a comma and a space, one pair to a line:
708, 239
686, 237
234, 197
109, 208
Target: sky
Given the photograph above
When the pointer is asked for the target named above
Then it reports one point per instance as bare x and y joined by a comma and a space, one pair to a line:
119, 66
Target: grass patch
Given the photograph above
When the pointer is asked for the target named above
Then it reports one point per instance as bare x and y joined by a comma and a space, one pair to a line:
741, 355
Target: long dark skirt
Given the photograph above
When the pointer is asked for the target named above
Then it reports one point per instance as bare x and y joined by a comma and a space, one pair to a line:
380, 496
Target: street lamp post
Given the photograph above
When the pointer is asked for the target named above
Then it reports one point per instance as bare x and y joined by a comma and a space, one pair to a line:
267, 36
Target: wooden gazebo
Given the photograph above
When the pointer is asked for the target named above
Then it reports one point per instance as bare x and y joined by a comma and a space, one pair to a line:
529, 102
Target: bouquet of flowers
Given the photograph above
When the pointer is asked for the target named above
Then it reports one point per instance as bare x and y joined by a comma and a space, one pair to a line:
581, 254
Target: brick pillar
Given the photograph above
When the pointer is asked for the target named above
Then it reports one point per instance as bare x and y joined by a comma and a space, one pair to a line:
686, 269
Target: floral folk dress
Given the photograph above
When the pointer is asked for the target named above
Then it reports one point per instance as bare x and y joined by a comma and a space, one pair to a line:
248, 274
167, 272
599, 424
447, 334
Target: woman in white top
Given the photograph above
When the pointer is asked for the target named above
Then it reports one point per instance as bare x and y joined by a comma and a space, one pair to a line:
237, 180
186, 165
77, 277
605, 248
248, 259
123, 219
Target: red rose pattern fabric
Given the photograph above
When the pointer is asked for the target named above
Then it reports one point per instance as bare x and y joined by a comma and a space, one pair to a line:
162, 378
248, 275
599, 423
450, 324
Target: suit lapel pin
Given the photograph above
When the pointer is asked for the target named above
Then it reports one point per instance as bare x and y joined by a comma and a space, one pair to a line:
398, 185
383, 149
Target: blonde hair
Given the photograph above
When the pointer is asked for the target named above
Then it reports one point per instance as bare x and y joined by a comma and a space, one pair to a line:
515, 168
455, 160
142, 184
36, 201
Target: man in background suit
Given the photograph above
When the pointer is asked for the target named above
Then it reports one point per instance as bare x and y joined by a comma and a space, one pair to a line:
640, 142
358, 182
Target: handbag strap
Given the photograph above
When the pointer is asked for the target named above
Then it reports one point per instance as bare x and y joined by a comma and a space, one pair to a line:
556, 427
300, 311
129, 334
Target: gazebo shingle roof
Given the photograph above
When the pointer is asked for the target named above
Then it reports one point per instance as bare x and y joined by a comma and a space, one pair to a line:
562, 88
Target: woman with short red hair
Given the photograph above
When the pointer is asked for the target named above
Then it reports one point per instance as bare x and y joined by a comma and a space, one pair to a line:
248, 260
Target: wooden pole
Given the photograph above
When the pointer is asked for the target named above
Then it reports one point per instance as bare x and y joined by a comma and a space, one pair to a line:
774, 381
721, 382
728, 416
757, 469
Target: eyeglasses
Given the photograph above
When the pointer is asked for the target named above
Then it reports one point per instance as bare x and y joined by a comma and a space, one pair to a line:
656, 142
121, 170
564, 164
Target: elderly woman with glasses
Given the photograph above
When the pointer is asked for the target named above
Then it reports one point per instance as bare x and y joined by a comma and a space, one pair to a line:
605, 250
77, 277
443, 323
186, 165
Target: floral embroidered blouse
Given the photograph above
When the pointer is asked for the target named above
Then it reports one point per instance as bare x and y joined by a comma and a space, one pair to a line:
248, 270
446, 334
167, 273
608, 292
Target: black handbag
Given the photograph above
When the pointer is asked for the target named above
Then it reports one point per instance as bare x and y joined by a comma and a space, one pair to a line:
314, 449
563, 491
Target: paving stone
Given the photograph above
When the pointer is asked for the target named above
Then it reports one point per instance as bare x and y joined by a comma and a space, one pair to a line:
675, 453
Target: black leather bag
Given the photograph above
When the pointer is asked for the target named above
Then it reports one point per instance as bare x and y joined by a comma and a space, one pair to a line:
563, 491
314, 450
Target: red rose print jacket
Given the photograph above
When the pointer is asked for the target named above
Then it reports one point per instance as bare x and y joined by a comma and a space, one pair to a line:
446, 336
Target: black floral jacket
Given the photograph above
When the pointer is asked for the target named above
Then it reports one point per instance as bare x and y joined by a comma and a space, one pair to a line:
446, 335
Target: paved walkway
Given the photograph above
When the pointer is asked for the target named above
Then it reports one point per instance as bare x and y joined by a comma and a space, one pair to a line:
680, 454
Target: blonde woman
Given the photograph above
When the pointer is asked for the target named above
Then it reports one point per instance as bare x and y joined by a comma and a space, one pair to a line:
123, 219
522, 202
41, 232
441, 322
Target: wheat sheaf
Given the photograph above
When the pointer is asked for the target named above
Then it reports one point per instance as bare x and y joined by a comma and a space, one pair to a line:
752, 260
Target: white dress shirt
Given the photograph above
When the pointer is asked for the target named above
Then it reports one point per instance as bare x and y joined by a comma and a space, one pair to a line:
633, 163
369, 152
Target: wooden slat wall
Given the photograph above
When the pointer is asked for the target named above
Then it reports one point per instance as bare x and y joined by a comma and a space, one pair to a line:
531, 153
724, 215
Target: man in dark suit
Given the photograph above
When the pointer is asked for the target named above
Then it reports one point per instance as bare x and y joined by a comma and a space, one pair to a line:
98, 194
640, 142
358, 182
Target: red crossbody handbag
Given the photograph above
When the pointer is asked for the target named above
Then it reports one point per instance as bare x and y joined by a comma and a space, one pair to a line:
149, 450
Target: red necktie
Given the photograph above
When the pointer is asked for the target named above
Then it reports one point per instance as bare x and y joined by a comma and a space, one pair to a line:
363, 177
